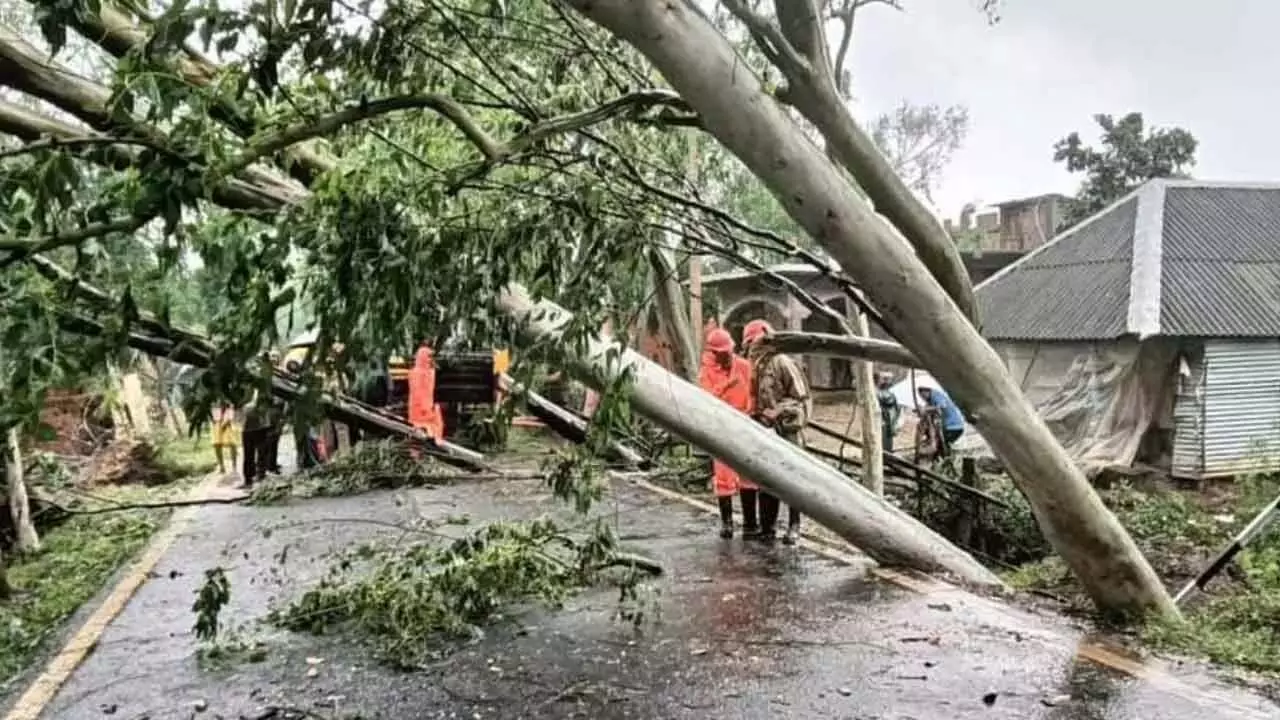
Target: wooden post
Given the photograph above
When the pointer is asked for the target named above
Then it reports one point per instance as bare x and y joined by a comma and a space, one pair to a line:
969, 507
696, 321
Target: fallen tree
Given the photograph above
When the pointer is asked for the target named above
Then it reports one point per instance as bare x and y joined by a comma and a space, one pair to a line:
881, 530
731, 104
735, 107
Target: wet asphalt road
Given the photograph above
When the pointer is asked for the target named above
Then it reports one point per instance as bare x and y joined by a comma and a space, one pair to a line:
744, 631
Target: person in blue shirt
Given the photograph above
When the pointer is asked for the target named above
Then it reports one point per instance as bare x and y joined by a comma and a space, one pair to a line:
940, 404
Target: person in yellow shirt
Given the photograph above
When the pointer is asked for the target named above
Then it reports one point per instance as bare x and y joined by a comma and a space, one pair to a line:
225, 436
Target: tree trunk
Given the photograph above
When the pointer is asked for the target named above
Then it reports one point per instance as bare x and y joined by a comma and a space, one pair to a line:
869, 416
697, 321
116, 407
19, 506
699, 62
671, 308
169, 414
135, 403
883, 531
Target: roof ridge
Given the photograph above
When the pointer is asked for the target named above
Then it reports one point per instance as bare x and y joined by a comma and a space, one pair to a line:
1202, 184
1146, 261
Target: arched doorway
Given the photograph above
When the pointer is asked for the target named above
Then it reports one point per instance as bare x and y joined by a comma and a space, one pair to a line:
751, 309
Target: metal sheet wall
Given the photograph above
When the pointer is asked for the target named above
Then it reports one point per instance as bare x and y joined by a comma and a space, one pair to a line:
1241, 406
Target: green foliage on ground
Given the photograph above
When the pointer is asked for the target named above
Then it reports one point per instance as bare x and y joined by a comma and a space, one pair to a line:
75, 561
405, 601
1236, 621
375, 465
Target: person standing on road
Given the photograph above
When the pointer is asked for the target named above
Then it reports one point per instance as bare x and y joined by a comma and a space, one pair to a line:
261, 419
275, 413
728, 377
779, 400
890, 410
424, 413
225, 437
254, 439
938, 404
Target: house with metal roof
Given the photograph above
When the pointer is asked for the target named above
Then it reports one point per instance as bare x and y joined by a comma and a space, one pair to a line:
1151, 331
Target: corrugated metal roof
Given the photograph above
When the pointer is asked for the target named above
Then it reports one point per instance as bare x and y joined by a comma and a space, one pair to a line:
1074, 288
1221, 270
1218, 253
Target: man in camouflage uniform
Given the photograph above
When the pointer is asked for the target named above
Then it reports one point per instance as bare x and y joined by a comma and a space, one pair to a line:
780, 400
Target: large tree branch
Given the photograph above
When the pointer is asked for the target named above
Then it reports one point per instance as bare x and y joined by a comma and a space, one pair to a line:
23, 68
843, 346
493, 150
812, 91
22, 247
118, 34
34, 127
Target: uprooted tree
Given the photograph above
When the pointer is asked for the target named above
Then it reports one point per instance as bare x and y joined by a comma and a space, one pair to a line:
402, 169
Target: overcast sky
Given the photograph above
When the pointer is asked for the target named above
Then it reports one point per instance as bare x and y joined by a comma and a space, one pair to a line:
1049, 65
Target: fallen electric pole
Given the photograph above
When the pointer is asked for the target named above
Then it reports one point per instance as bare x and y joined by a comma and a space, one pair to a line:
884, 532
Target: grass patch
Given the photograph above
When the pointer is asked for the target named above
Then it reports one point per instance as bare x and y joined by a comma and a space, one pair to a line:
75, 561
181, 457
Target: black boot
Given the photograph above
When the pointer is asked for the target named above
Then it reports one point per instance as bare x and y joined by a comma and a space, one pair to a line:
793, 526
750, 516
726, 516
769, 507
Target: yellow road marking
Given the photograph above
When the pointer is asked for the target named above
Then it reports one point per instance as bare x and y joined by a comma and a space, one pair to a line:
925, 585
43, 689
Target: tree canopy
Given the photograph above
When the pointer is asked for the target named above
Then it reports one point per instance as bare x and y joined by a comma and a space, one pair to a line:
1129, 155
395, 170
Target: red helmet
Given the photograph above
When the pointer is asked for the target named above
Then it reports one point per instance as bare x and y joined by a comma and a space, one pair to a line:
755, 330
719, 340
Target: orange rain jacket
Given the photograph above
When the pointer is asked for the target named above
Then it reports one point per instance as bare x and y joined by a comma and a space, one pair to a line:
734, 387
424, 413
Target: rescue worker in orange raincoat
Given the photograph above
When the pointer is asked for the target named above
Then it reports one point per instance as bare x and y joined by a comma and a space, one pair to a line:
728, 377
779, 400
424, 413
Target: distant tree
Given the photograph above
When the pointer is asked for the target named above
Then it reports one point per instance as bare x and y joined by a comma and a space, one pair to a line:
1130, 155
919, 141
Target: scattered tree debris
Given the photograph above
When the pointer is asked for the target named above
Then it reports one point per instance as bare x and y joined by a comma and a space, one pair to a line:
406, 600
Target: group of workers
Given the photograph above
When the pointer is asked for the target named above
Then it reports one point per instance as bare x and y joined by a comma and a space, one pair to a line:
769, 387
942, 425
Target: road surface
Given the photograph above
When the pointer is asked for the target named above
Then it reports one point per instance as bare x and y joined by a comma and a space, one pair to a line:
744, 631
